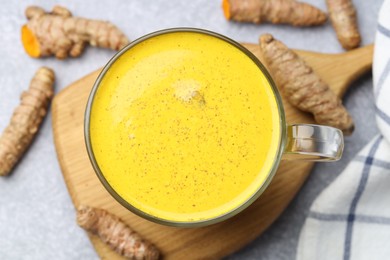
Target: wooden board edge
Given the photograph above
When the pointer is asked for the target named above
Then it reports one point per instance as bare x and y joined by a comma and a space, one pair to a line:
57, 144
99, 246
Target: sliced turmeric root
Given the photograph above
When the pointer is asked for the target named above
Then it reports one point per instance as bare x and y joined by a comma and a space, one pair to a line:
30, 42
59, 34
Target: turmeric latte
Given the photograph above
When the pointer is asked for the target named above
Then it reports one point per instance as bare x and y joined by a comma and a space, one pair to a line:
185, 127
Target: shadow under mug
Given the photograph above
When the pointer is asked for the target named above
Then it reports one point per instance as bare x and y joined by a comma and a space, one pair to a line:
307, 142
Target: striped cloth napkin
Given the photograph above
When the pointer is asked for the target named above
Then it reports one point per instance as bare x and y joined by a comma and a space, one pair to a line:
350, 219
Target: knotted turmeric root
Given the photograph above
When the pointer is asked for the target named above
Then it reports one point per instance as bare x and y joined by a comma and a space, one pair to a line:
302, 87
273, 11
116, 234
343, 16
26, 119
60, 34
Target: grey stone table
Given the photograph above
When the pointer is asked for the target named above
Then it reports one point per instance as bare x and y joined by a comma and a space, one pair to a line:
37, 218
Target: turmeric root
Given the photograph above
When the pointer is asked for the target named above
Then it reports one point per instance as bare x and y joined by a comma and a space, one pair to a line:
116, 234
60, 34
343, 16
273, 11
302, 87
26, 119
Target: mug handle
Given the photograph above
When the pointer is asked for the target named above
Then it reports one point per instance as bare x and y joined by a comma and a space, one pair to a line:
313, 143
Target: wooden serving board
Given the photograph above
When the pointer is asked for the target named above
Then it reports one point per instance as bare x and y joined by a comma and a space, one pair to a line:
212, 242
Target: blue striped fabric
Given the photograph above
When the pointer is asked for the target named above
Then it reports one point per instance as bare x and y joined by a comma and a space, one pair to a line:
344, 218
383, 30
350, 219
356, 198
384, 116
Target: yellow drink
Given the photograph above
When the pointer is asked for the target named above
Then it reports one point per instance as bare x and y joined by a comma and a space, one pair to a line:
185, 127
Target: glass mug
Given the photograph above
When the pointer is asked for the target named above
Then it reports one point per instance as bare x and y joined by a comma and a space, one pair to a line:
292, 142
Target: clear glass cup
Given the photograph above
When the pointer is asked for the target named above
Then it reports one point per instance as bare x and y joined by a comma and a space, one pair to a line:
307, 142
